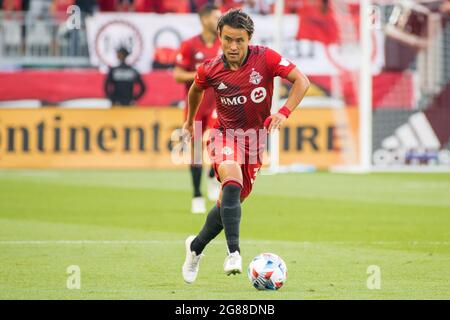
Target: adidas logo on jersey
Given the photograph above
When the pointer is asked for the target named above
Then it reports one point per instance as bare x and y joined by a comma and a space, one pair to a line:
222, 86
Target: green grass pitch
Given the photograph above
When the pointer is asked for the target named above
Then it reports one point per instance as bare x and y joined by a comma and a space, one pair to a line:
126, 229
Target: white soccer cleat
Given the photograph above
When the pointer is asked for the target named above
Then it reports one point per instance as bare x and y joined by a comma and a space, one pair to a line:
213, 187
192, 262
198, 205
233, 263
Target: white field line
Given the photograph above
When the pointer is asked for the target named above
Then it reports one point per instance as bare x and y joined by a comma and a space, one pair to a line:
249, 242
286, 294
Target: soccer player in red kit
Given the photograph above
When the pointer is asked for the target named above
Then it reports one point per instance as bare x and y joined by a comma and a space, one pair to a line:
192, 53
242, 79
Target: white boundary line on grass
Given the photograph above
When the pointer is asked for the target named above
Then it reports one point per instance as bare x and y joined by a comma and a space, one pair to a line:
80, 242
177, 242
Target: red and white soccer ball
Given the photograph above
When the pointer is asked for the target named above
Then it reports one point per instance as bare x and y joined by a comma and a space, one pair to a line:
267, 271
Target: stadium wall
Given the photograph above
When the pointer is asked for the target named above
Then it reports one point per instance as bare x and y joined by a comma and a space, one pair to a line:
148, 138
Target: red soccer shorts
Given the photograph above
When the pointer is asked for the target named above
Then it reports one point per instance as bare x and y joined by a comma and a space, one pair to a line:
225, 148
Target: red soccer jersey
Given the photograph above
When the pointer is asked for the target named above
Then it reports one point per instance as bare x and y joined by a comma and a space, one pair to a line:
192, 53
243, 96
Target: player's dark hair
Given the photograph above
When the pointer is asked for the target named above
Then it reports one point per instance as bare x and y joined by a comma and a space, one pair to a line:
207, 9
237, 19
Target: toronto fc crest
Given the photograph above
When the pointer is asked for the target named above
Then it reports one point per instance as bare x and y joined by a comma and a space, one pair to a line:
255, 77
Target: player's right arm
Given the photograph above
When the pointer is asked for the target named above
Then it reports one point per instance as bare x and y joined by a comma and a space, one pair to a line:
195, 96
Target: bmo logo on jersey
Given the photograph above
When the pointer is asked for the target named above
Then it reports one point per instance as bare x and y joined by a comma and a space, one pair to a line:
258, 94
233, 101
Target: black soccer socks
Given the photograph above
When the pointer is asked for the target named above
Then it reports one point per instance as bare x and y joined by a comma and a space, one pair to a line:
211, 228
196, 172
230, 211
227, 216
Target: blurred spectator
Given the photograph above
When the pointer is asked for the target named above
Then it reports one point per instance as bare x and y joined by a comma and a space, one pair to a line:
107, 5
25, 5
59, 10
87, 7
226, 5
292, 6
11, 5
445, 7
156, 6
39, 9
61, 5
258, 6
177, 6
317, 22
195, 5
121, 81
125, 5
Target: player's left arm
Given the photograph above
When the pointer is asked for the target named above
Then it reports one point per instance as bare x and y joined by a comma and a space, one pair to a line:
300, 85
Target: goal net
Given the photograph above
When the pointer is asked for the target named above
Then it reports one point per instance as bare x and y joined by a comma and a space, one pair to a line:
380, 94
411, 118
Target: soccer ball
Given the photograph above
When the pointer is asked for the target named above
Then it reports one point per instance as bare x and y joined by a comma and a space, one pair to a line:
267, 271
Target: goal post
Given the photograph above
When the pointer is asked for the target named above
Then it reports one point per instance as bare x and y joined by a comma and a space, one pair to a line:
274, 137
365, 89
364, 92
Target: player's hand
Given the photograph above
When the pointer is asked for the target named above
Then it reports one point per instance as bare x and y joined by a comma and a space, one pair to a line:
274, 122
187, 131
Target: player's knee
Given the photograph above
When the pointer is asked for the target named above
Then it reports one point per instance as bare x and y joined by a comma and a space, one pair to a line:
230, 170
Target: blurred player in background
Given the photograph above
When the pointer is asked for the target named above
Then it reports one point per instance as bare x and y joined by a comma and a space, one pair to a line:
121, 81
194, 51
242, 79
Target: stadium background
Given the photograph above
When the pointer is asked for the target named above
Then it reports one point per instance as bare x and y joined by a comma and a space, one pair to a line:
52, 72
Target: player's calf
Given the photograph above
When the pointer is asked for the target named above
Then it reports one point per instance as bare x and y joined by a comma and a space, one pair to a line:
230, 212
211, 228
